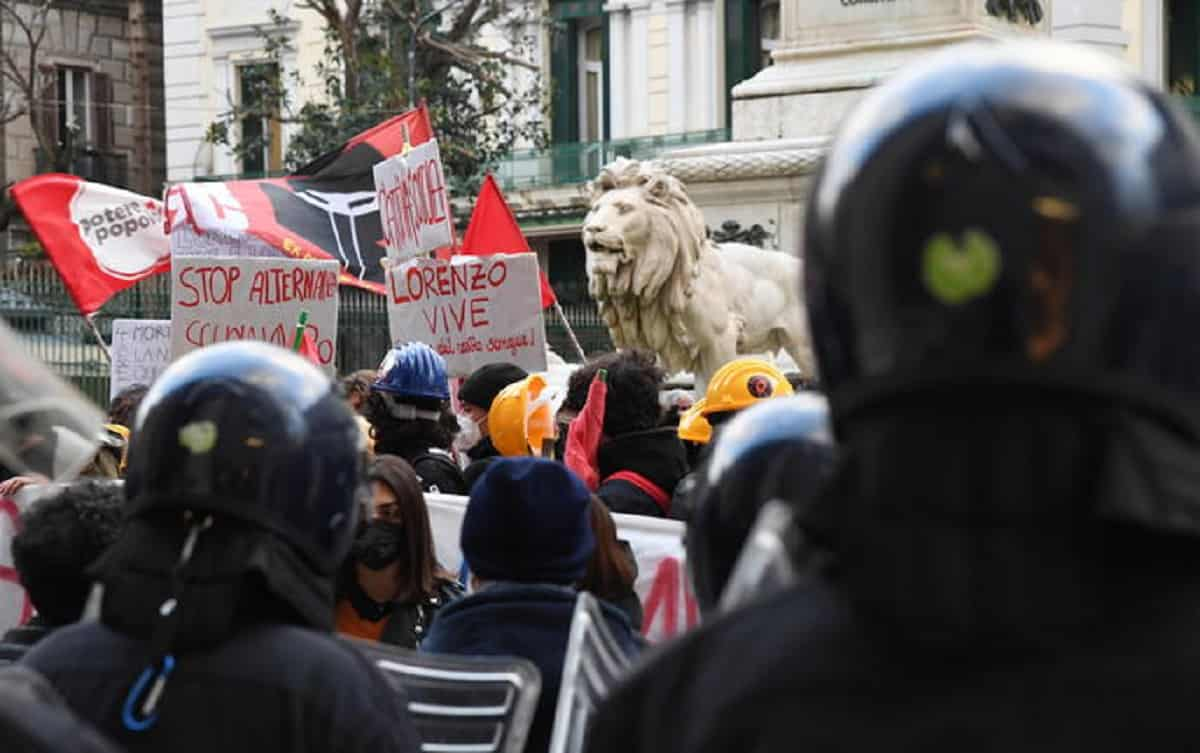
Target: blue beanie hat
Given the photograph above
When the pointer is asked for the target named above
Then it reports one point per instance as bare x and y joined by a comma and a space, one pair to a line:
528, 521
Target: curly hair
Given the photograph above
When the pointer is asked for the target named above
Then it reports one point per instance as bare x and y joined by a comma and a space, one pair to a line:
60, 537
406, 437
123, 408
634, 379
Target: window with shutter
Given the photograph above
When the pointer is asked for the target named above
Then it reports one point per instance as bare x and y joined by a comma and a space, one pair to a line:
102, 112
46, 107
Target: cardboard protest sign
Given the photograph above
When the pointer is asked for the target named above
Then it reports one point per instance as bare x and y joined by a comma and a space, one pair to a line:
414, 206
662, 584
141, 349
215, 299
473, 310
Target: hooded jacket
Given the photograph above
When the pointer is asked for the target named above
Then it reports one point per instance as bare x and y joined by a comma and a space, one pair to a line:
647, 465
249, 674
531, 621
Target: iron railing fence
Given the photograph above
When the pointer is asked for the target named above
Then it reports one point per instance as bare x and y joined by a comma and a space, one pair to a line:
35, 303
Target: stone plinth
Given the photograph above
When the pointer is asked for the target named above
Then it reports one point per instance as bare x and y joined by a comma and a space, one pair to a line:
833, 50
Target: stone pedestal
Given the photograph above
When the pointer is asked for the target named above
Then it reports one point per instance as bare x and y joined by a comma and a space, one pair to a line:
831, 53
833, 50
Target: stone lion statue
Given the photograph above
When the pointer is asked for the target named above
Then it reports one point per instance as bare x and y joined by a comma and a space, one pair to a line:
662, 284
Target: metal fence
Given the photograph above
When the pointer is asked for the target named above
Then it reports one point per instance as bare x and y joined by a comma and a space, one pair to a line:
34, 302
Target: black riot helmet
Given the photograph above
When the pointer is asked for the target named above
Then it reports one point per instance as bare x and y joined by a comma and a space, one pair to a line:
1015, 212
777, 449
256, 434
1002, 271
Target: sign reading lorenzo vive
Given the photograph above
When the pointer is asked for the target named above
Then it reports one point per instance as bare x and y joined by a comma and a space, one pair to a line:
215, 299
473, 310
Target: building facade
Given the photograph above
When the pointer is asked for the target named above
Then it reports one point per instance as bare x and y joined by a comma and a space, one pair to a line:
99, 83
213, 49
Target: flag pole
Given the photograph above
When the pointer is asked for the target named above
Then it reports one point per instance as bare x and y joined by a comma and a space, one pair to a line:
570, 332
99, 338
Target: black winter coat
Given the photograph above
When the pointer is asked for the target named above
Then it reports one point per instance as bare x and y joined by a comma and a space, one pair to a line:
268, 688
528, 621
656, 455
16, 642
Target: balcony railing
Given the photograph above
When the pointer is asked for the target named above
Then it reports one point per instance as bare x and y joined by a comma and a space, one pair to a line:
110, 168
564, 164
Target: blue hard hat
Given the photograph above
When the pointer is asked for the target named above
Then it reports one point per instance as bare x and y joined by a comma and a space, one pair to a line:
413, 370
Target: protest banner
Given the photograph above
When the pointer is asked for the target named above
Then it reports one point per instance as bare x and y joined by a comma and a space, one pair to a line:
141, 349
668, 605
473, 310
15, 608
215, 299
414, 206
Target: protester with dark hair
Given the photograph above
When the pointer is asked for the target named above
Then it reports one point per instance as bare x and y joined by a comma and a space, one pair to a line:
356, 386
639, 461
217, 610
122, 409
393, 584
1001, 288
527, 538
612, 570
60, 536
476, 395
409, 410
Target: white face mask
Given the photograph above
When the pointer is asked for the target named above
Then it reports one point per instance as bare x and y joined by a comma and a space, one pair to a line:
468, 434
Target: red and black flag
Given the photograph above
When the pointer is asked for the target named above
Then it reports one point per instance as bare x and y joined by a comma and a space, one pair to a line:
326, 209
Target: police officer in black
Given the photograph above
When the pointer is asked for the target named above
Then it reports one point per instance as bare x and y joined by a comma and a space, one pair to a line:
214, 630
1003, 279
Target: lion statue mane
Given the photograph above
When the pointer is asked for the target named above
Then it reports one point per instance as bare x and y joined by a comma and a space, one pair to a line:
661, 283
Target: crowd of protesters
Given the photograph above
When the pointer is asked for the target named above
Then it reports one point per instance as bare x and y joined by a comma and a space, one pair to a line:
997, 553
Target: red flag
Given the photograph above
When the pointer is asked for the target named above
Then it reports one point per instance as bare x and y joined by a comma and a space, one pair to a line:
583, 439
325, 210
308, 349
494, 230
101, 239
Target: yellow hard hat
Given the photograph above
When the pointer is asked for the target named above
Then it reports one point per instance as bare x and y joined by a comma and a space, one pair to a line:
742, 383
693, 426
521, 419
118, 436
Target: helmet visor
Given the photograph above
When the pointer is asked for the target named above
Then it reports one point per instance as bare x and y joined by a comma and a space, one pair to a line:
46, 426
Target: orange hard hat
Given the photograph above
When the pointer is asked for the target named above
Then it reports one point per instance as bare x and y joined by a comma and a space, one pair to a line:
521, 418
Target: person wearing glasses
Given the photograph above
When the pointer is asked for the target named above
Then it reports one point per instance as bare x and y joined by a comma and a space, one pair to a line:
392, 584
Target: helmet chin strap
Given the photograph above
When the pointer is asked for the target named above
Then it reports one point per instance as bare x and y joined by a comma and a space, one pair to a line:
406, 412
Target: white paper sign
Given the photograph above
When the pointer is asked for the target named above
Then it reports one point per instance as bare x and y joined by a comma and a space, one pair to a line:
669, 608
141, 349
473, 310
216, 299
414, 206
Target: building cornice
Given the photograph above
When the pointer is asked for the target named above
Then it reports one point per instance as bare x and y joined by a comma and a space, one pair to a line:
744, 160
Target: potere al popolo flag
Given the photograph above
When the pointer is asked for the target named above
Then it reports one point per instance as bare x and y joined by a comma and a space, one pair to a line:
494, 230
101, 239
325, 210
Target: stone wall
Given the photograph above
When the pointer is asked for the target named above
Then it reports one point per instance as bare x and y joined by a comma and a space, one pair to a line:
96, 36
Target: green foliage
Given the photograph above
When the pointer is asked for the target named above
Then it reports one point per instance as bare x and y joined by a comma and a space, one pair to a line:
482, 103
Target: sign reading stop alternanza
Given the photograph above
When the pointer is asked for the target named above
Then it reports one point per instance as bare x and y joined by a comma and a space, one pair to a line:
414, 206
473, 310
215, 299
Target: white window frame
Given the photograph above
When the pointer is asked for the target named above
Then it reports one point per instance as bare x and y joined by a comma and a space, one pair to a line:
68, 104
266, 155
585, 67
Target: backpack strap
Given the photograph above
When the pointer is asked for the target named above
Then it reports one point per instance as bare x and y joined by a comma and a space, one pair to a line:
646, 486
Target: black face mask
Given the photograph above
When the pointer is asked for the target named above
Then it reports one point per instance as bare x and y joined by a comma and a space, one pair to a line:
381, 544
